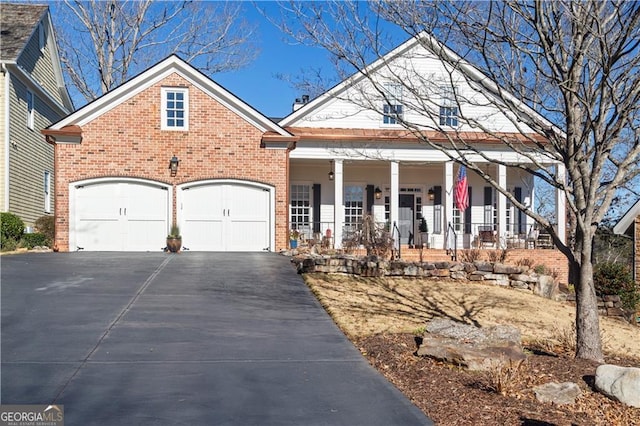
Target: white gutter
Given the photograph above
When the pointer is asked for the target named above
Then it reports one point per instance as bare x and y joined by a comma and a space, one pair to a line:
7, 145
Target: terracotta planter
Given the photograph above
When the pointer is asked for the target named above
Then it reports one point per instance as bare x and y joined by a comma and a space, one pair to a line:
174, 244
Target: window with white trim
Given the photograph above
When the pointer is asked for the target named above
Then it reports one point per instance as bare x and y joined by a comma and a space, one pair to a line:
300, 208
392, 107
30, 109
175, 108
458, 219
47, 192
353, 206
448, 106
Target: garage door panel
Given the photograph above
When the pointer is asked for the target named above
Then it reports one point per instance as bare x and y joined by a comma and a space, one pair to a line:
146, 235
226, 217
247, 202
121, 216
146, 203
91, 235
248, 236
203, 235
98, 202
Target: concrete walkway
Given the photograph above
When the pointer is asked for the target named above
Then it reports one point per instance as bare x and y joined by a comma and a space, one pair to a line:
187, 339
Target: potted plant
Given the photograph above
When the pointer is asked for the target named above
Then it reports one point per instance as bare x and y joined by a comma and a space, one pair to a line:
174, 239
294, 234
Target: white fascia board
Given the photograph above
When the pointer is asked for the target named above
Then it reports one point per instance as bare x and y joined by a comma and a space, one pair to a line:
37, 88
406, 155
57, 66
156, 74
627, 220
297, 115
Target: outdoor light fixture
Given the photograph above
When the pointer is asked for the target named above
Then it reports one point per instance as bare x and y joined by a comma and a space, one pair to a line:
173, 165
431, 194
378, 193
331, 174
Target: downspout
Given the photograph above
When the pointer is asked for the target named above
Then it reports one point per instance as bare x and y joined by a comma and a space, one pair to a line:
7, 144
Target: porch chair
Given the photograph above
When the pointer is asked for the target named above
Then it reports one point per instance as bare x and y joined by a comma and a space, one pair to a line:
486, 236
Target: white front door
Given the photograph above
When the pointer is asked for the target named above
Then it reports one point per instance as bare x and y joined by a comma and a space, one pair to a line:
121, 216
225, 217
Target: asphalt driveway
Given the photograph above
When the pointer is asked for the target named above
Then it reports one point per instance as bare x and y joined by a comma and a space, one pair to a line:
188, 339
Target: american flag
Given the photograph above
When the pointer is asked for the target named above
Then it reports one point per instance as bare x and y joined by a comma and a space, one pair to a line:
461, 191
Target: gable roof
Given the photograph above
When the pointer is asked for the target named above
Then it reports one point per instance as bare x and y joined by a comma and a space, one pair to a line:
156, 73
439, 50
628, 219
18, 22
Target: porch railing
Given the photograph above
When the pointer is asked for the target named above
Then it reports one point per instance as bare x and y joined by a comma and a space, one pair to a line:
470, 235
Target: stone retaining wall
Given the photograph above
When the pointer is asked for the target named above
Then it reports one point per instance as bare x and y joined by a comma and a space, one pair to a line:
517, 277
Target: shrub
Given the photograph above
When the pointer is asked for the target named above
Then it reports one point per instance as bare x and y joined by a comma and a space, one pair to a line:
46, 225
612, 278
11, 229
470, 256
34, 240
9, 245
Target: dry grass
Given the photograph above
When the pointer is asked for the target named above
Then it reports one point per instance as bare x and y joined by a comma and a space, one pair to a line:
367, 306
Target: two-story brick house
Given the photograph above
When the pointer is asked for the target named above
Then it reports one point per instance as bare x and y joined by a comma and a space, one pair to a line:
32, 96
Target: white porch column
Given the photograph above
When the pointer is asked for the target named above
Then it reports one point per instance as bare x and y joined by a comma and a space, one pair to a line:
448, 198
561, 205
394, 196
502, 204
338, 204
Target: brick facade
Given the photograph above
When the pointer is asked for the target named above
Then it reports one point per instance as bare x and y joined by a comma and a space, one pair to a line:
126, 141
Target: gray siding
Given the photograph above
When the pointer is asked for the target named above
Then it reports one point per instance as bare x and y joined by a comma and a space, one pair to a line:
40, 64
29, 155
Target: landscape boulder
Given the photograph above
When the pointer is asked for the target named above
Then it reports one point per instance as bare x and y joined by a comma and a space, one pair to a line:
557, 393
471, 347
619, 383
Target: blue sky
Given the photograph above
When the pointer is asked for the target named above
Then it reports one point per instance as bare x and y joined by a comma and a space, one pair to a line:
258, 84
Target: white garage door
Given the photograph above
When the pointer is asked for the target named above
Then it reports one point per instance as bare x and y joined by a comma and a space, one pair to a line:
225, 217
121, 216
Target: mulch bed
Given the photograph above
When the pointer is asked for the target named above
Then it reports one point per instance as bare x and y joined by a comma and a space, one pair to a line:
452, 396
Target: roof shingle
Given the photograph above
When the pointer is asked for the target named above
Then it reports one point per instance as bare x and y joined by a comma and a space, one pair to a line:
17, 24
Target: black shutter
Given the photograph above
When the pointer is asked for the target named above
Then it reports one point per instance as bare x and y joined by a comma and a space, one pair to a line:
437, 210
488, 205
520, 225
467, 215
370, 195
316, 207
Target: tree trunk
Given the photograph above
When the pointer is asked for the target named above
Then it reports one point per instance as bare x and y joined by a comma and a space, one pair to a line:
588, 341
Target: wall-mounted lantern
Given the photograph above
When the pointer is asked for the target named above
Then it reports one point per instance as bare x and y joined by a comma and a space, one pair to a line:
331, 174
378, 193
173, 165
431, 194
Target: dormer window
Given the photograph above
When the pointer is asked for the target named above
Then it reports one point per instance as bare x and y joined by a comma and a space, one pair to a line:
448, 106
392, 108
175, 108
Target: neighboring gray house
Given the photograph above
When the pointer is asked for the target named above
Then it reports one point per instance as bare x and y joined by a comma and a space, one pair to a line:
629, 224
32, 96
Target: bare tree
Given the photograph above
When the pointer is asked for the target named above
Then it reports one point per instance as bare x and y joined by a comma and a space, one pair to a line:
103, 43
565, 73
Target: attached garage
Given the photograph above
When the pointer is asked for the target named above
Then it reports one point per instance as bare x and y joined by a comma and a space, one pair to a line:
226, 215
119, 215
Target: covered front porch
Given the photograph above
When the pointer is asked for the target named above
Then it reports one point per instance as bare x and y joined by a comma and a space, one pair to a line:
413, 198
